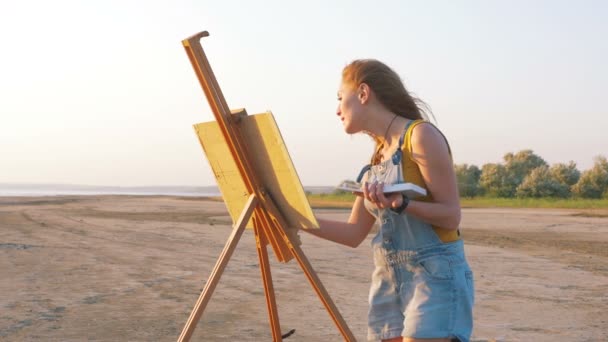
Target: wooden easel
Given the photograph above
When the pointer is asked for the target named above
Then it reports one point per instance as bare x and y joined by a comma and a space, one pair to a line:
268, 223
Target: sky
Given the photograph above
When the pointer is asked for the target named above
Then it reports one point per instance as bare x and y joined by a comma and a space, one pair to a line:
102, 92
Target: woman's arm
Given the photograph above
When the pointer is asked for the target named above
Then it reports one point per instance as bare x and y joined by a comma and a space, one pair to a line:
350, 233
430, 152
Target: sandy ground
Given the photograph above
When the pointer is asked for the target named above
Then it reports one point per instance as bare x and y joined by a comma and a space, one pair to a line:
121, 268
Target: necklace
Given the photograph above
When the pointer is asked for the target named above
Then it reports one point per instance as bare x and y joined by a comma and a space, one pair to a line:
378, 156
389, 127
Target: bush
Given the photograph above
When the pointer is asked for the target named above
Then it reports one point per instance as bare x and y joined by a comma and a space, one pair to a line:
503, 180
519, 165
540, 183
565, 174
590, 184
467, 177
593, 183
494, 181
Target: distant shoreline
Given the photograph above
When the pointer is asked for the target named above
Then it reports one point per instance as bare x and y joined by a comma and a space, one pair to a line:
102, 193
37, 190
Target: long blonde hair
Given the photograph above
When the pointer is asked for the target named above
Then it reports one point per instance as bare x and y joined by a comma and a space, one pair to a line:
388, 88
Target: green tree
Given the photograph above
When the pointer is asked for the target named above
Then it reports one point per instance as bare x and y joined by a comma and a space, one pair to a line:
494, 180
468, 180
593, 183
540, 183
565, 174
518, 166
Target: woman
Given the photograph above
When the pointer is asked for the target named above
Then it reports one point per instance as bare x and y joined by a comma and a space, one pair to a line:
422, 286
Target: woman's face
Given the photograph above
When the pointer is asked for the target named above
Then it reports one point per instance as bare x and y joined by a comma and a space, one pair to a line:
349, 109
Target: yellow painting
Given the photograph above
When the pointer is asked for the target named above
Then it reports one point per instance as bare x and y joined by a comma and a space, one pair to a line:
268, 154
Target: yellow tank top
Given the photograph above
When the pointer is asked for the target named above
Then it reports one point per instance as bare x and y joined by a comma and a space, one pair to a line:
412, 174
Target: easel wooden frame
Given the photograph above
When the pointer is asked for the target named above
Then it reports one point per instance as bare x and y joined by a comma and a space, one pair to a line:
269, 225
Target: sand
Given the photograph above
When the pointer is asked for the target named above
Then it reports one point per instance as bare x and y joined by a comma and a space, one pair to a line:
129, 268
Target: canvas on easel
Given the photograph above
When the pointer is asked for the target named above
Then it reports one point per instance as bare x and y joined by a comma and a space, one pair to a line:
271, 162
261, 190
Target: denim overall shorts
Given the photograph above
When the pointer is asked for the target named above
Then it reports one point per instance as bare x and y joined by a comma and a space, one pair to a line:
421, 287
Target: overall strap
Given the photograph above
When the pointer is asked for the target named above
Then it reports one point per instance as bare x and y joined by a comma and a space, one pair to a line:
398, 155
407, 126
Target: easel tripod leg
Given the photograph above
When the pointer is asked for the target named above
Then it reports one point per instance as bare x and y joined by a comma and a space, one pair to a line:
321, 292
220, 265
273, 313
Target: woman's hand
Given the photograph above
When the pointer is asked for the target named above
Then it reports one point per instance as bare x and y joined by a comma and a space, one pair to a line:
374, 192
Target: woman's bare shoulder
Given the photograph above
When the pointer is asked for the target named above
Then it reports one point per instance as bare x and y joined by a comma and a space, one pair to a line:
427, 137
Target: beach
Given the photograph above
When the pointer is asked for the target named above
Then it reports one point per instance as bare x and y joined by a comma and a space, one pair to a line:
130, 268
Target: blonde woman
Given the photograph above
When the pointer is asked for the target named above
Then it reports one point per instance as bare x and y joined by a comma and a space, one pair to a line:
422, 286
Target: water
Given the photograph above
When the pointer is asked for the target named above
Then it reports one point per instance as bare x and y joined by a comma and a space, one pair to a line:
31, 190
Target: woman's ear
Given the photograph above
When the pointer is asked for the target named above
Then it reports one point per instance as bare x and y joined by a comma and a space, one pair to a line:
363, 93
